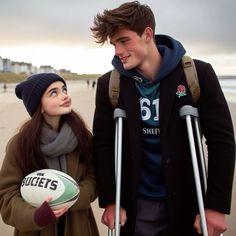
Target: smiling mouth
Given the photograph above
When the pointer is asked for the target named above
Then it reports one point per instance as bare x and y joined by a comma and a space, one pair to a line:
124, 59
66, 104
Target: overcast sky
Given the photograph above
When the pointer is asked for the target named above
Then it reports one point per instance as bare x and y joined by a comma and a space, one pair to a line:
57, 32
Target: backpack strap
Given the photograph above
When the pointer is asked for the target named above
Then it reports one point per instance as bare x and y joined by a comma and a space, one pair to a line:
114, 87
190, 74
191, 77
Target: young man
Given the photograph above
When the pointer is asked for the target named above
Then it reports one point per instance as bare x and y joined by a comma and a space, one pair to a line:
158, 195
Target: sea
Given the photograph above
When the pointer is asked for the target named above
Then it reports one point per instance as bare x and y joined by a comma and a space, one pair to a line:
228, 85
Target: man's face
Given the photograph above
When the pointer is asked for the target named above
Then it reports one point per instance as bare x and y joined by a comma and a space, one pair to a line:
130, 48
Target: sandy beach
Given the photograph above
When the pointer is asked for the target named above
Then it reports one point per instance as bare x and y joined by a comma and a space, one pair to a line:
13, 114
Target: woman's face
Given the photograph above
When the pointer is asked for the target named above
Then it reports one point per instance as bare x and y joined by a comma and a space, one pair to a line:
55, 102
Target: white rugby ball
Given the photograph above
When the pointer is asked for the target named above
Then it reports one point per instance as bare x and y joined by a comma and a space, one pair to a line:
36, 187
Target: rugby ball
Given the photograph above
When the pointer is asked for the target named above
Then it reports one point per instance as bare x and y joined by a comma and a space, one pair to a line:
36, 187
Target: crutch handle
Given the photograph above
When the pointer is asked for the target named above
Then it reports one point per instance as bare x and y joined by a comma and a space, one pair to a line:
119, 113
188, 110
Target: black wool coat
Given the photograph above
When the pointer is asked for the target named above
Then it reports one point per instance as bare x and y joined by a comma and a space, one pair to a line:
216, 126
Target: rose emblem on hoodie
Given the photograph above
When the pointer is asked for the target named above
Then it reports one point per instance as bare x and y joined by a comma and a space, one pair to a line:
181, 91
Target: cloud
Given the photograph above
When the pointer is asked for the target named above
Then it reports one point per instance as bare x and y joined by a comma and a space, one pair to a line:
204, 27
209, 23
207, 26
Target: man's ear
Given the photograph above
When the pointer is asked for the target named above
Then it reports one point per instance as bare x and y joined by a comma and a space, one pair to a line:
148, 33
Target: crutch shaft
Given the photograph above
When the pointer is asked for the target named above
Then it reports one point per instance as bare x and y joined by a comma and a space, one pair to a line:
119, 115
196, 176
110, 232
118, 176
201, 153
187, 112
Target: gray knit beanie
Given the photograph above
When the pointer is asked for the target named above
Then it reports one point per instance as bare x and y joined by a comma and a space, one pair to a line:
32, 89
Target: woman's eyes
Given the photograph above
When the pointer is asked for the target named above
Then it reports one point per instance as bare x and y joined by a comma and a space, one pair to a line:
64, 90
55, 92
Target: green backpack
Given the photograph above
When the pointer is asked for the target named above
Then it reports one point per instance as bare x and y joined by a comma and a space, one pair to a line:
190, 74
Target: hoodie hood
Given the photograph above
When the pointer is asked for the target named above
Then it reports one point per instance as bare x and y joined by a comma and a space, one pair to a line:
171, 51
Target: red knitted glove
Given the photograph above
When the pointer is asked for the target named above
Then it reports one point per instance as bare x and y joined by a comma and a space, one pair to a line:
44, 215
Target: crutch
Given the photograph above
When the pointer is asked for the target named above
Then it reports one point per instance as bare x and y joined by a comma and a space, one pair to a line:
119, 116
190, 114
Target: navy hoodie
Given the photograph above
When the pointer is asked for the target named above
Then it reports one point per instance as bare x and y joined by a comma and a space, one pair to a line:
152, 181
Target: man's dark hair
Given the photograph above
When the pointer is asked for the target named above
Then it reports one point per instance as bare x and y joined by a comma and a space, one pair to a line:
131, 15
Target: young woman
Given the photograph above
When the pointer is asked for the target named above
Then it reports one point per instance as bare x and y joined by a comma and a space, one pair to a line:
55, 137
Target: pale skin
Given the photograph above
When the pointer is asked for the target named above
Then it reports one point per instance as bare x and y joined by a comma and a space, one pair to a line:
141, 53
55, 102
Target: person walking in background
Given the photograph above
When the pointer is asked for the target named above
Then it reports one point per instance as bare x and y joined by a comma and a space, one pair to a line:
94, 84
55, 137
5, 87
88, 82
158, 195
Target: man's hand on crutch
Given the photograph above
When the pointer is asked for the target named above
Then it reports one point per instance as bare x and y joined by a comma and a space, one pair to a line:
108, 217
208, 222
216, 223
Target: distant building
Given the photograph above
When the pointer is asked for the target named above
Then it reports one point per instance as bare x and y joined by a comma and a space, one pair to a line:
64, 71
1, 64
21, 67
6, 65
34, 69
47, 69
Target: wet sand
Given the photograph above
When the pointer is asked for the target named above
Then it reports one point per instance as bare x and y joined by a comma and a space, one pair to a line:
12, 114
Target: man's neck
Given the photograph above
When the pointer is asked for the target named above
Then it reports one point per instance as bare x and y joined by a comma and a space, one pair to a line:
152, 65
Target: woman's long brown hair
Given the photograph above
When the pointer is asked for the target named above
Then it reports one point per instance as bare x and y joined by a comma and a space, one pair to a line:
31, 157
